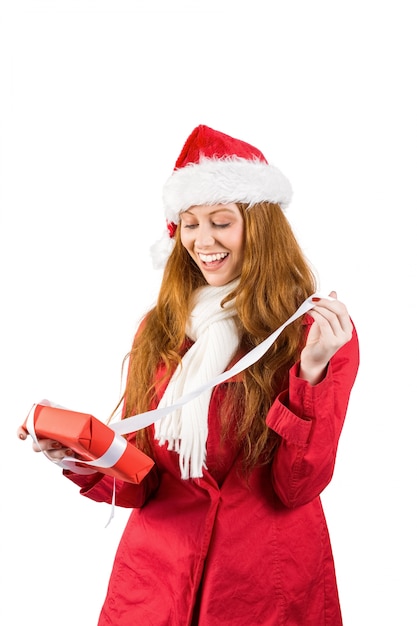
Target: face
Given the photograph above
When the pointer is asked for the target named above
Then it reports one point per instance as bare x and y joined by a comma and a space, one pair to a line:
213, 237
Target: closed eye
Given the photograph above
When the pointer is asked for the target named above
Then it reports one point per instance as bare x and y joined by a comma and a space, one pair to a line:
221, 225
191, 226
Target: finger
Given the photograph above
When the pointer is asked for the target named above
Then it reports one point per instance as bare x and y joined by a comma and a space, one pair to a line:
323, 321
57, 454
343, 316
22, 433
337, 320
334, 305
47, 445
53, 456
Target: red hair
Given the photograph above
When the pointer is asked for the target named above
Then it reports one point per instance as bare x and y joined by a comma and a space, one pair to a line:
276, 278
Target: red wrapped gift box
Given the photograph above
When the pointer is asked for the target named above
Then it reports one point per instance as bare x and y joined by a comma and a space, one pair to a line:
90, 439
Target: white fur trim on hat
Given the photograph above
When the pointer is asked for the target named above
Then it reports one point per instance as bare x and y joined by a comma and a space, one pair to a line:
161, 250
219, 181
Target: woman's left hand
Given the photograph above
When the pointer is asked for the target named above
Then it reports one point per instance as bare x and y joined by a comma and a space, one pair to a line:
332, 328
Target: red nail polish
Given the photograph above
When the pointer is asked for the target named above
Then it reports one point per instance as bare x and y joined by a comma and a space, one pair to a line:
315, 299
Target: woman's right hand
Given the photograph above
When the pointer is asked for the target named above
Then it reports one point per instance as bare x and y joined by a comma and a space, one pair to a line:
53, 449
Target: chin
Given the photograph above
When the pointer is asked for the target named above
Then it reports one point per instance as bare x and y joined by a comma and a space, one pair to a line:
218, 281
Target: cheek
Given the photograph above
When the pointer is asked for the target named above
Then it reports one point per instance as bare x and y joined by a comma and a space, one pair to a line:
238, 243
187, 242
184, 238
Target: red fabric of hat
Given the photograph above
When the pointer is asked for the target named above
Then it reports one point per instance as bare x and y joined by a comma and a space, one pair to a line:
212, 144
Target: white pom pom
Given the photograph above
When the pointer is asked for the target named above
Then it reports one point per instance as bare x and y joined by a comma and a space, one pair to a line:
161, 250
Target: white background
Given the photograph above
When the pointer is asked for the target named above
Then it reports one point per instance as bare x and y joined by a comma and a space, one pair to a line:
97, 98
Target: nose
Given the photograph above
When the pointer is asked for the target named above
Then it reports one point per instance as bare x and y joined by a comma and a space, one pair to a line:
204, 237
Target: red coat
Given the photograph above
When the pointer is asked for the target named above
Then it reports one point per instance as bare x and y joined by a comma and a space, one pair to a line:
222, 550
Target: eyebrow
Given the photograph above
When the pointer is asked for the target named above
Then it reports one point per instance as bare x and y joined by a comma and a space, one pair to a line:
225, 209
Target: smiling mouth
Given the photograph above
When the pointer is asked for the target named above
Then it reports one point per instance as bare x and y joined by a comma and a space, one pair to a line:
209, 259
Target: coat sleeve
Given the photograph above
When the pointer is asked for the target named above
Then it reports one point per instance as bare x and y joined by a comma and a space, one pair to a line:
99, 487
309, 420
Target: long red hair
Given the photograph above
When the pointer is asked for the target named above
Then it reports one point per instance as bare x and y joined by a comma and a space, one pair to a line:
276, 278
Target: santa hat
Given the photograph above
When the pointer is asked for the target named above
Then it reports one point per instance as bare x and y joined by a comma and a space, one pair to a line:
214, 168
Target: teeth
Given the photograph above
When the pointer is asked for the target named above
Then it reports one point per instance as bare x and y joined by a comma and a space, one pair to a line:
209, 258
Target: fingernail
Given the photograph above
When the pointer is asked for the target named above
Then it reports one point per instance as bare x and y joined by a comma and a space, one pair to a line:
56, 444
69, 452
315, 299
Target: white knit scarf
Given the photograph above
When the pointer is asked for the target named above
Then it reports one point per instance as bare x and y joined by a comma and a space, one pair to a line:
214, 331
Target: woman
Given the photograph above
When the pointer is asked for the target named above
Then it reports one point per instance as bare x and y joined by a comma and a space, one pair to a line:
228, 526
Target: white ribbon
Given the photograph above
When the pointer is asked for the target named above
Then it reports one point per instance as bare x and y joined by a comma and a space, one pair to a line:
142, 420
